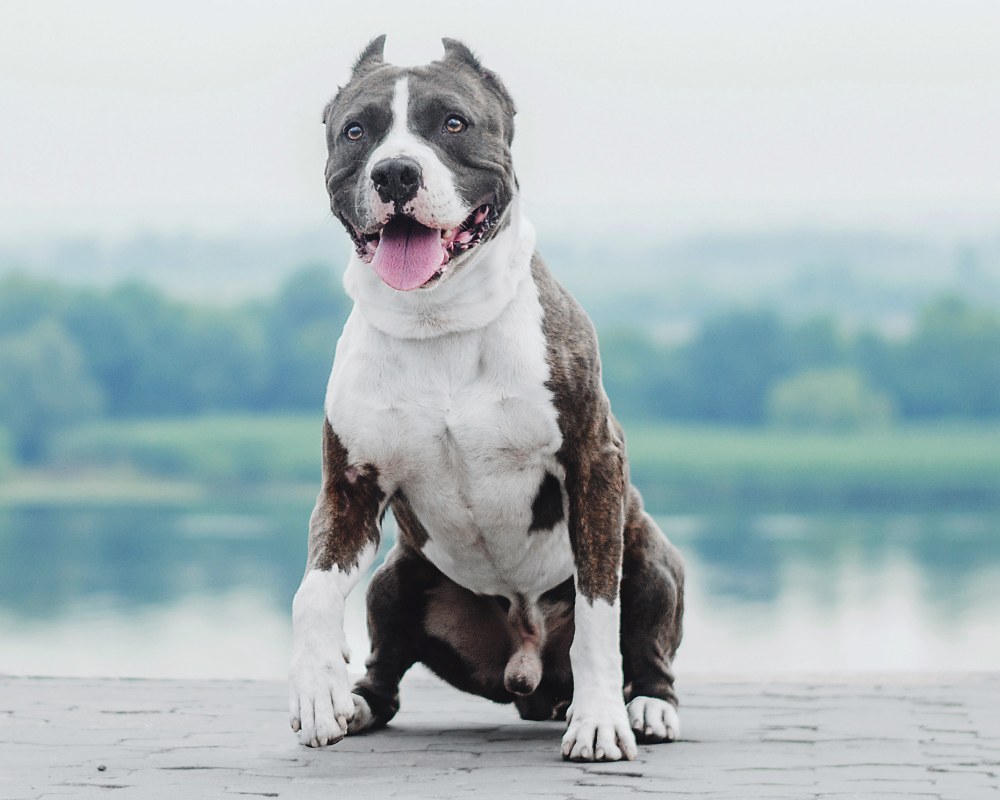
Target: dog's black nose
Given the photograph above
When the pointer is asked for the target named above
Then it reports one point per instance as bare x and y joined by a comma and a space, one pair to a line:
396, 179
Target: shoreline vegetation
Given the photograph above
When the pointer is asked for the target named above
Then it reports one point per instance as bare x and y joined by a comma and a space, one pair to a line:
275, 458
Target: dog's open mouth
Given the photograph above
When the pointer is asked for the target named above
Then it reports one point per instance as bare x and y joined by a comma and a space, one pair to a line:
408, 255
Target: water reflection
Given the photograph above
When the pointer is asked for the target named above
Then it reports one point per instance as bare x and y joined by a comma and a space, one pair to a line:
842, 591
206, 591
54, 559
752, 558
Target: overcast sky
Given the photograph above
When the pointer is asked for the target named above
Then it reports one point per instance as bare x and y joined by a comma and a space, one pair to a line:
649, 118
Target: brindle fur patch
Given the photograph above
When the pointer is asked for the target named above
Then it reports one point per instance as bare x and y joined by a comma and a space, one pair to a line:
346, 515
411, 530
652, 604
593, 449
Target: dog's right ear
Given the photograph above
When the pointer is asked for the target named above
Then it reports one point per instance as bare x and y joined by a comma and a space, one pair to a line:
371, 56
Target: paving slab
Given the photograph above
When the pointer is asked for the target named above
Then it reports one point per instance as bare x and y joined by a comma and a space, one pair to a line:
830, 737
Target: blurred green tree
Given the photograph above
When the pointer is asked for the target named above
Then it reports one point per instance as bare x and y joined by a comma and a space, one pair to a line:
301, 326
733, 362
44, 385
630, 363
152, 355
158, 356
6, 452
827, 399
25, 301
951, 364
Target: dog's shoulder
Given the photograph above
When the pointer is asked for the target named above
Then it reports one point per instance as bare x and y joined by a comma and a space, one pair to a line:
571, 351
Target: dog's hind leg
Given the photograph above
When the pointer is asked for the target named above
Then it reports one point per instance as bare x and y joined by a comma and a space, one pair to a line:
416, 613
652, 597
396, 600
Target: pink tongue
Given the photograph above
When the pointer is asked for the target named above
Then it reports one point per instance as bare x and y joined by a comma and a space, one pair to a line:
408, 254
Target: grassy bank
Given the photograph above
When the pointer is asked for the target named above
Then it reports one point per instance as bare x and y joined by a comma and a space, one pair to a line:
923, 466
675, 466
216, 449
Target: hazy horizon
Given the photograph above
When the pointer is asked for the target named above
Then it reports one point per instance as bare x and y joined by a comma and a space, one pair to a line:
650, 120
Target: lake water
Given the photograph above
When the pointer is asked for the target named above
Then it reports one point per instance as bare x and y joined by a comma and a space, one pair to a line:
206, 591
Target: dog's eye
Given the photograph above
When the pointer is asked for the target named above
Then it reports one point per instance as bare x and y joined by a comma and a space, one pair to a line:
455, 124
354, 131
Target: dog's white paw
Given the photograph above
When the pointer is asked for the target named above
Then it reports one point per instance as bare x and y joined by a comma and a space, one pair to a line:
598, 731
320, 705
653, 720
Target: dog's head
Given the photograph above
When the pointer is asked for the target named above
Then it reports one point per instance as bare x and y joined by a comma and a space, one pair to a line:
419, 168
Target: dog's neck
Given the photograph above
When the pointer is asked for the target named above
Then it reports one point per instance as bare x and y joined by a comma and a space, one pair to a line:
471, 298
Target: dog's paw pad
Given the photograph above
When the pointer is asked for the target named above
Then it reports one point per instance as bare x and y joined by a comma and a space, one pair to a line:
653, 720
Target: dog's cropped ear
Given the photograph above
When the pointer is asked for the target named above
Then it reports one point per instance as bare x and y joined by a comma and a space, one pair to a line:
371, 57
456, 52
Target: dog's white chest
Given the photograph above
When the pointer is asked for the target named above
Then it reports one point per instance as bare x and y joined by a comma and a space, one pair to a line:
465, 427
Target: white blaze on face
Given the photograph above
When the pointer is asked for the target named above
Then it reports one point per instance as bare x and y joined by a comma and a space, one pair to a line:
438, 203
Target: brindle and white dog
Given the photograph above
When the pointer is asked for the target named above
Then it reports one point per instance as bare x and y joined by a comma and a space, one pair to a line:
466, 396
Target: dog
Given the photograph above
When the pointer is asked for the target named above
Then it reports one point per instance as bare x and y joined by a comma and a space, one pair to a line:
466, 396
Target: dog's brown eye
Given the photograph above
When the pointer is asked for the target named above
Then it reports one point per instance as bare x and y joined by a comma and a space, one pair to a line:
354, 132
455, 125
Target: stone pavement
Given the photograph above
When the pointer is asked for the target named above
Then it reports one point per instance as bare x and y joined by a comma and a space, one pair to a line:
839, 737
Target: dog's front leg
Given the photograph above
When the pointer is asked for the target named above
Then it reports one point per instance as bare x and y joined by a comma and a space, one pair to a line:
598, 727
343, 538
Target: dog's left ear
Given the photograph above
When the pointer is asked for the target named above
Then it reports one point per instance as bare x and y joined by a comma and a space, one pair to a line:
456, 52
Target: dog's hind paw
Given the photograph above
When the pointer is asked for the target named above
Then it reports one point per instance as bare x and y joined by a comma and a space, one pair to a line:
653, 720
363, 718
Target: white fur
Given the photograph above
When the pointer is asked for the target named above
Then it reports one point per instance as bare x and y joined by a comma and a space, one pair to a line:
437, 203
598, 727
320, 702
460, 421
